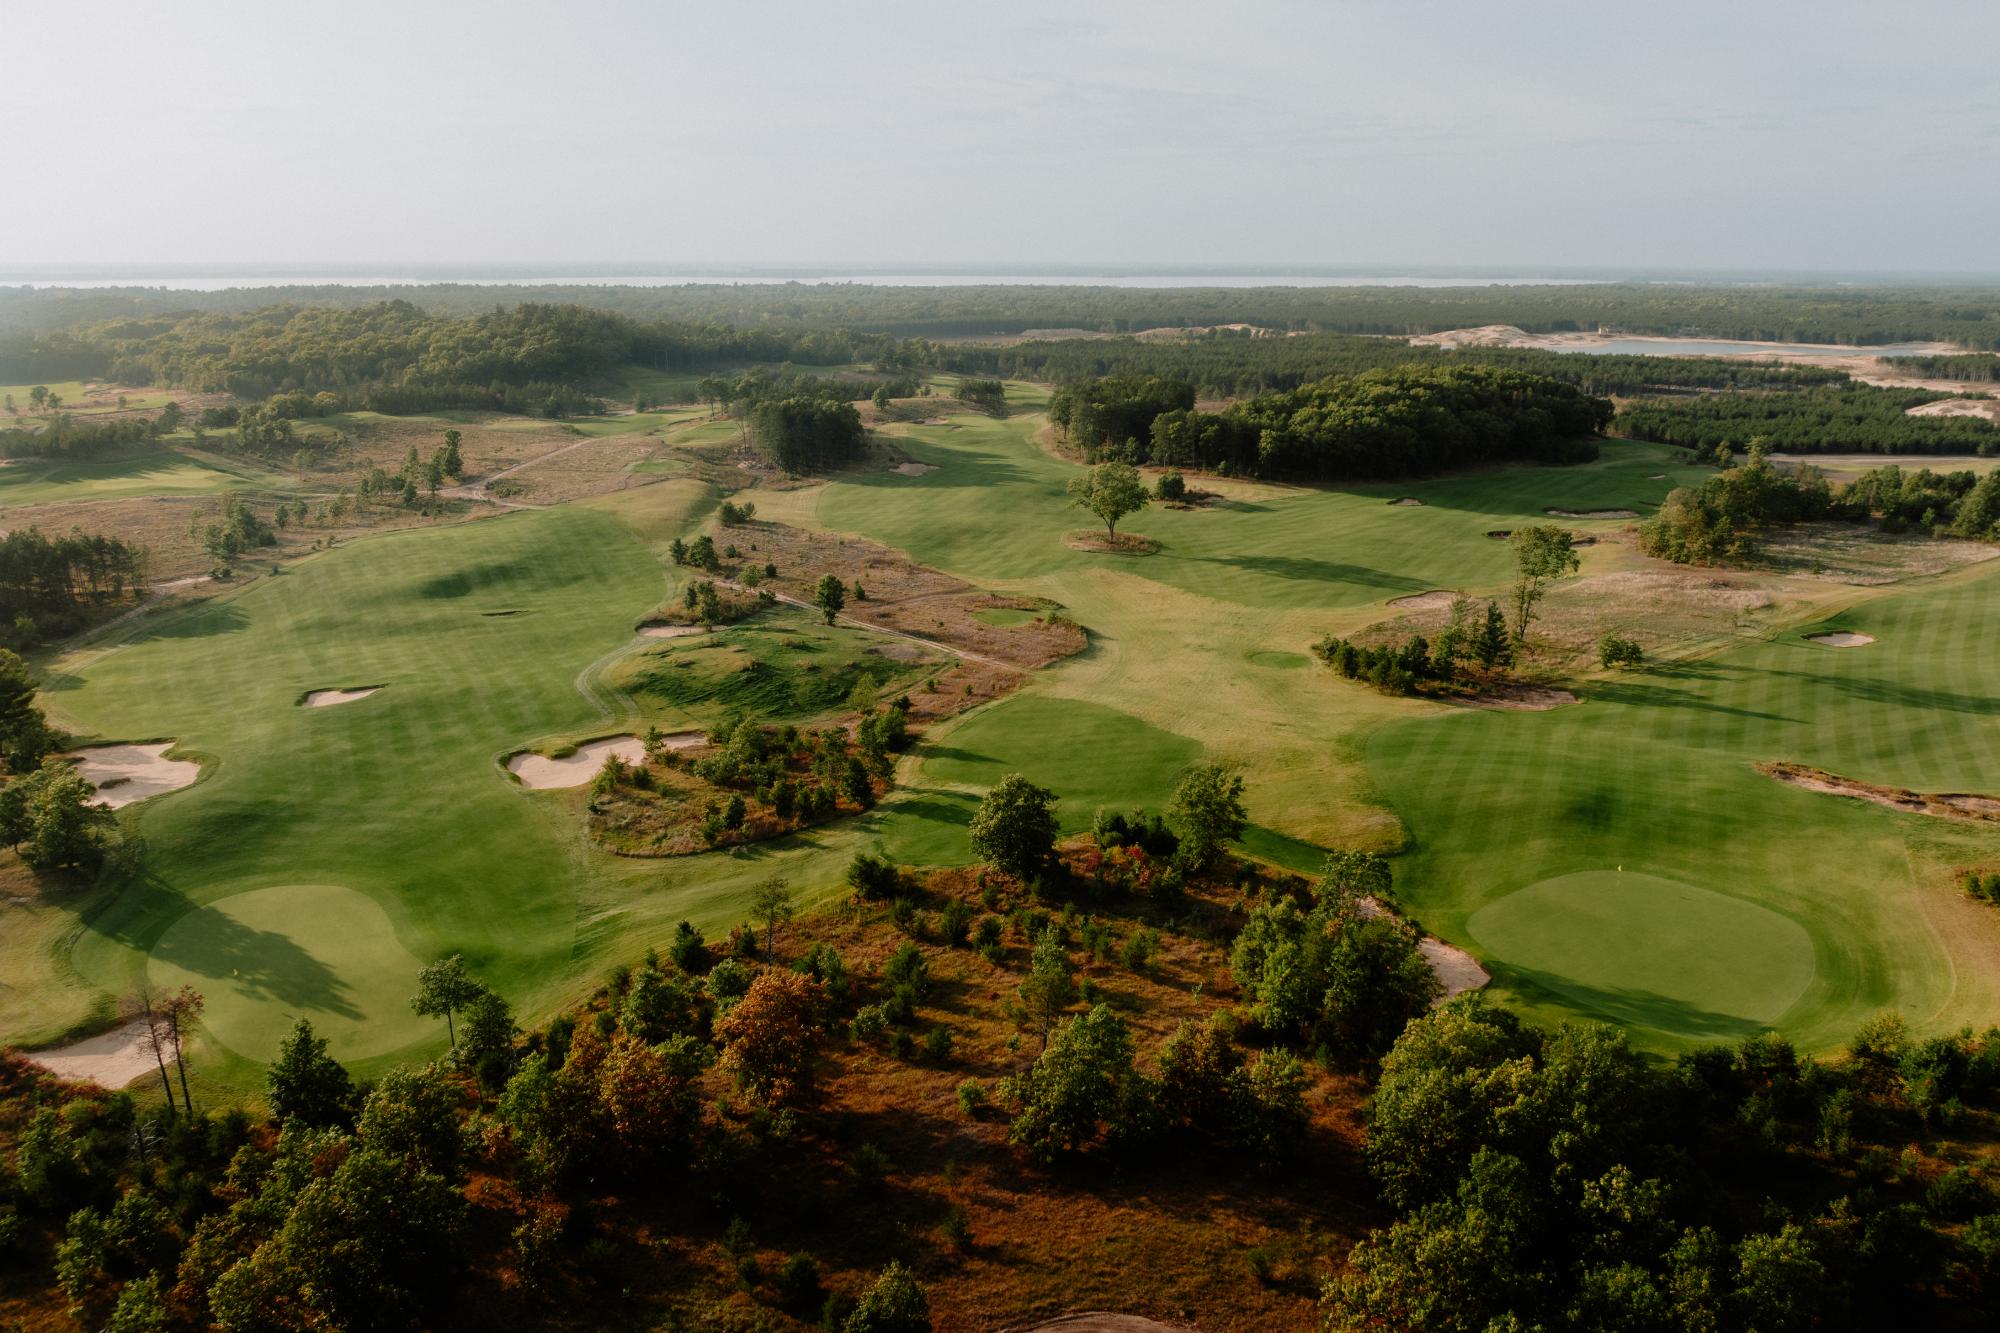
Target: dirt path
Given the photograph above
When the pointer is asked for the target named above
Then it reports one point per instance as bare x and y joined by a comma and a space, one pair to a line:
477, 490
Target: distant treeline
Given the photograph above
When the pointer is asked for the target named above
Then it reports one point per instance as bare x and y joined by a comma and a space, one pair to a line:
1399, 422
80, 438
1227, 367
1966, 315
1850, 419
1978, 367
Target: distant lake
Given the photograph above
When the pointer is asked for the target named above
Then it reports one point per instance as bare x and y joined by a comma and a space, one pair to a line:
1698, 347
216, 282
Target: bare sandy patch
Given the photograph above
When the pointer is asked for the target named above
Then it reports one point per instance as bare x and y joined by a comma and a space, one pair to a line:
539, 772
1456, 969
1125, 544
911, 468
1942, 805
110, 1059
1435, 599
1656, 476
1406, 502
660, 629
124, 774
1521, 698
1843, 639
328, 698
1986, 409
1593, 513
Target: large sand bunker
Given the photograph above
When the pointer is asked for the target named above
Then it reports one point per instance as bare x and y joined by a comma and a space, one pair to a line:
1842, 639
1593, 513
328, 698
1942, 805
110, 1059
124, 774
660, 629
1456, 969
540, 772
1424, 601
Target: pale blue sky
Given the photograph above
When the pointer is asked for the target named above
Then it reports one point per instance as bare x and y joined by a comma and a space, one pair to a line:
1830, 135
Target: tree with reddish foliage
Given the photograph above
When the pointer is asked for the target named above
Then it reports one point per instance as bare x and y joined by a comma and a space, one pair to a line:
651, 1096
770, 1038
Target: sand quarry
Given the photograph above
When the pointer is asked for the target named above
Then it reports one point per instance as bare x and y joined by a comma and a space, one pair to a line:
541, 773
124, 774
328, 698
1842, 639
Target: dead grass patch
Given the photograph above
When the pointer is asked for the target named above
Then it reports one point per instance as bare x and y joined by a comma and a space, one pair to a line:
1125, 543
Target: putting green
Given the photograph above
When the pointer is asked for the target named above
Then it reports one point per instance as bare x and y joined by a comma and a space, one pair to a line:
271, 956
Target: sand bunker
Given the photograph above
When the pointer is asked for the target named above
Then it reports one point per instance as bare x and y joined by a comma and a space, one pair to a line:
110, 1059
124, 774
1943, 805
1406, 501
1522, 698
1656, 476
912, 469
541, 773
1842, 639
660, 629
1424, 601
328, 698
1458, 970
1593, 513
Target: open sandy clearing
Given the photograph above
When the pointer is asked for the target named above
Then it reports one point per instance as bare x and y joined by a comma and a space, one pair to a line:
539, 772
328, 698
1424, 601
1943, 805
1987, 409
1592, 513
110, 1059
1521, 698
124, 774
1842, 639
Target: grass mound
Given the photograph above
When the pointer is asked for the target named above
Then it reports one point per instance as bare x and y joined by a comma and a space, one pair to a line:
782, 668
1650, 952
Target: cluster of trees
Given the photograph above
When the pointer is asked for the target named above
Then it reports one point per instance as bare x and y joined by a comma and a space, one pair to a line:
1472, 638
738, 395
1962, 503
1975, 368
804, 434
48, 584
1983, 885
1556, 1179
988, 394
1014, 828
1103, 414
79, 438
1399, 422
1852, 418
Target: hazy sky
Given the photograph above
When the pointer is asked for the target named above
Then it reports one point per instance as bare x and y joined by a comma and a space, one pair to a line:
1836, 134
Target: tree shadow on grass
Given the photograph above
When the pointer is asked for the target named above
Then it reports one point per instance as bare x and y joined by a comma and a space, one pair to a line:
1638, 694
267, 965
198, 623
1631, 1006
1305, 569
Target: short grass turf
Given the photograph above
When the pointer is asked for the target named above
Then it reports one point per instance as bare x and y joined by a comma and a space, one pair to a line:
158, 472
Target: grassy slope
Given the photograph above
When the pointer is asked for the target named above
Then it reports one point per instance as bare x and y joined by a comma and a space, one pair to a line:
162, 472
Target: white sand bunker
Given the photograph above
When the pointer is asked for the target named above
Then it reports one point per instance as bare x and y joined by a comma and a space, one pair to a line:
660, 629
110, 1059
1406, 501
1593, 513
1456, 969
913, 469
328, 698
1424, 601
1843, 639
124, 774
541, 773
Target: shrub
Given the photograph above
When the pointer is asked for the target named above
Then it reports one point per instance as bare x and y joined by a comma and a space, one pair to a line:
1613, 651
972, 1097
937, 1045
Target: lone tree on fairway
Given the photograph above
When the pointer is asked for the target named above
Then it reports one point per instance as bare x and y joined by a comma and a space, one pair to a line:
771, 902
1542, 554
1207, 811
1015, 826
1110, 491
829, 594
444, 987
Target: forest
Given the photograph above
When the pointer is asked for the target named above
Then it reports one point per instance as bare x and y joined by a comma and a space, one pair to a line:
1400, 422
1846, 419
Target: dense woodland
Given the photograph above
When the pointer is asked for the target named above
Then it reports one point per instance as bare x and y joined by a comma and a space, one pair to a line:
1849, 419
1968, 315
48, 585
1407, 421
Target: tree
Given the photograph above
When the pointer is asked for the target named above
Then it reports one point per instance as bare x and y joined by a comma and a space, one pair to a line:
1207, 812
444, 987
830, 595
413, 1115
771, 1037
1491, 645
1171, 487
1543, 552
1081, 1088
1015, 826
62, 823
489, 1038
306, 1083
143, 1005
180, 1011
454, 463
24, 732
1048, 989
896, 1303
1110, 491
771, 902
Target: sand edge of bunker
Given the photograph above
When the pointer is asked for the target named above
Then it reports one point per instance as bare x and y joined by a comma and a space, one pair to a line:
336, 694
1841, 638
125, 774
1590, 513
1974, 806
1423, 601
579, 763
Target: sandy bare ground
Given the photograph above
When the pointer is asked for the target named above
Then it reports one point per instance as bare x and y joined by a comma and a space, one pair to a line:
1435, 599
328, 698
1457, 969
662, 630
1987, 409
124, 774
111, 1059
541, 773
1098, 1321
1407, 502
1943, 805
1593, 513
1844, 639
1835, 355
1521, 698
